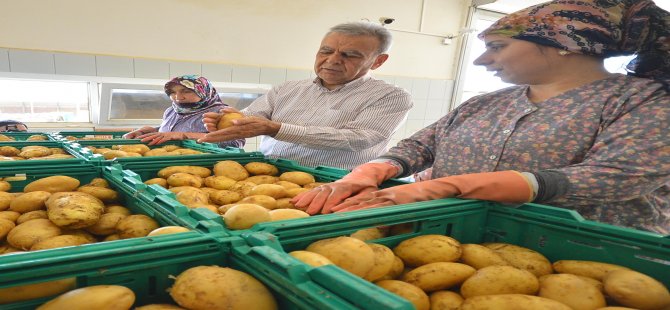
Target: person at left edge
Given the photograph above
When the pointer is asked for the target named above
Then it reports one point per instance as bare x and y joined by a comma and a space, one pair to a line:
191, 96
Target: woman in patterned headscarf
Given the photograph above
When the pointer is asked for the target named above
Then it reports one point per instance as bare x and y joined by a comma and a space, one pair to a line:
192, 96
570, 134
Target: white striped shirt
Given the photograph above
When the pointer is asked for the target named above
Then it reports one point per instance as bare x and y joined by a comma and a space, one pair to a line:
341, 128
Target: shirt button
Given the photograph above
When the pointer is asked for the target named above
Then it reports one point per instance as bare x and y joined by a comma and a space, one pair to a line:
492, 157
506, 131
528, 110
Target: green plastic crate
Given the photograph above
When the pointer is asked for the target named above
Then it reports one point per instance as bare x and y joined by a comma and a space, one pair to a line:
88, 135
41, 164
53, 263
166, 202
79, 148
556, 233
24, 135
149, 274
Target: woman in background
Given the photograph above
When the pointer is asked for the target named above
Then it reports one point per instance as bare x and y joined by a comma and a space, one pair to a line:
570, 135
192, 96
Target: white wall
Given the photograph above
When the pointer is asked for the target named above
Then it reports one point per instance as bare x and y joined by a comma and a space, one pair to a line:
247, 40
275, 33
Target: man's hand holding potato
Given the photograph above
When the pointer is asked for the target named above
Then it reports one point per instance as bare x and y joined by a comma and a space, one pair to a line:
230, 124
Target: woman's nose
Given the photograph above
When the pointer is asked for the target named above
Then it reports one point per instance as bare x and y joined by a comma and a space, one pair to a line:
482, 60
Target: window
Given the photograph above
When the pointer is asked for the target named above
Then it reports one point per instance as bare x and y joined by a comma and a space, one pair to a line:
44, 101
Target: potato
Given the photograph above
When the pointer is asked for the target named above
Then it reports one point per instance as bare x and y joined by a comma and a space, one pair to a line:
396, 269
230, 169
160, 181
245, 215
226, 120
511, 302
224, 197
445, 300
99, 182
311, 258
257, 168
117, 209
261, 200
102, 193
100, 297
38, 214
383, 262
223, 209
34, 151
106, 225
155, 152
59, 242
5, 227
170, 148
427, 249
286, 214
292, 192
74, 209
184, 179
285, 203
438, 276
5, 200
297, 177
272, 190
9, 151
115, 154
10, 215
135, 225
80, 233
37, 138
522, 258
500, 280
219, 182
159, 307
243, 188
348, 253
25, 235
214, 287
6, 248
192, 197
572, 291
408, 291
591, 269
366, 234
134, 148
31, 201
167, 230
36, 290
636, 290
5, 186
53, 184
112, 237
287, 184
262, 179
479, 256
203, 172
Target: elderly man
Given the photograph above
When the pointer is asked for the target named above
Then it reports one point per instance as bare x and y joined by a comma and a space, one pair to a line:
342, 118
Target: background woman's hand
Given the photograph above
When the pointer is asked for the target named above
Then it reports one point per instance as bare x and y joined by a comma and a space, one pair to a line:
138, 132
161, 137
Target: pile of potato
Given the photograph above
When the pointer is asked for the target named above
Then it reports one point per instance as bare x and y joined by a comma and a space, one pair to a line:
438, 272
141, 150
56, 211
244, 195
30, 138
201, 287
32, 152
95, 137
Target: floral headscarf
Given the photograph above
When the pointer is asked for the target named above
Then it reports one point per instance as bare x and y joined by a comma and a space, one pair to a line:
601, 28
201, 86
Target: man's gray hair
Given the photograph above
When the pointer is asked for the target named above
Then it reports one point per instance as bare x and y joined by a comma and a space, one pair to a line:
366, 29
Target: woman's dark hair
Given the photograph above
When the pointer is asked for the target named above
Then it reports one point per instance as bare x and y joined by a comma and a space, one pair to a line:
11, 125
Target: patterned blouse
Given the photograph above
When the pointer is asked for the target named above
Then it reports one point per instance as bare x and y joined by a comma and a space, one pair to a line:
609, 138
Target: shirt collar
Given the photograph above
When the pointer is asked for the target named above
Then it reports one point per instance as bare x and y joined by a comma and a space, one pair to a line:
317, 81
